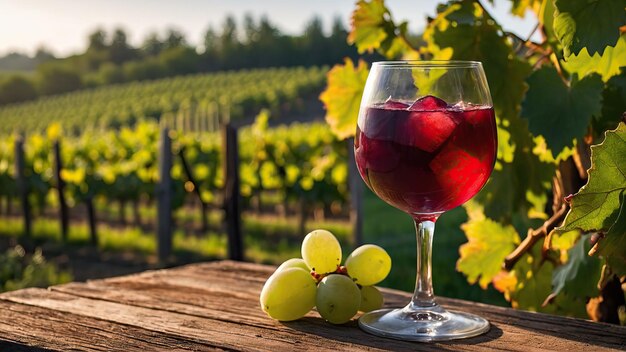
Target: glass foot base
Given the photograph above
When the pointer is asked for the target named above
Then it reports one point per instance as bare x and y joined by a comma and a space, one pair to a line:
423, 324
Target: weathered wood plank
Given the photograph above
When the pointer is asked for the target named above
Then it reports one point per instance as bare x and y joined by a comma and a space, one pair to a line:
217, 333
228, 291
216, 304
28, 328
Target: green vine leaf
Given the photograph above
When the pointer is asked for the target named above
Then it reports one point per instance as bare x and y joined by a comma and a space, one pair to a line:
579, 276
519, 7
613, 245
546, 20
607, 65
591, 24
488, 244
508, 187
463, 31
596, 206
368, 25
557, 112
342, 97
613, 103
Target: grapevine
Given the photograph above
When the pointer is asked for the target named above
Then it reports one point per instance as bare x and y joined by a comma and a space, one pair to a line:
554, 98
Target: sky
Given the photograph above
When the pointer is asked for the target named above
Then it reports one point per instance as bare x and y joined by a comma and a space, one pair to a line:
62, 26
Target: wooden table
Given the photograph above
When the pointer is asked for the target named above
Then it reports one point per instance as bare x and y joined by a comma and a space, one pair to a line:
214, 306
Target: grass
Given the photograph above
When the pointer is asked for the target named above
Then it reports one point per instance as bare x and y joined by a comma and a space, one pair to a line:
266, 240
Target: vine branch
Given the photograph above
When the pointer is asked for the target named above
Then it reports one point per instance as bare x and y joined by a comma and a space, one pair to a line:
533, 31
534, 235
536, 47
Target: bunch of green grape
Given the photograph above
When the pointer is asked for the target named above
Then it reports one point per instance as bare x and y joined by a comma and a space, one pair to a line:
318, 280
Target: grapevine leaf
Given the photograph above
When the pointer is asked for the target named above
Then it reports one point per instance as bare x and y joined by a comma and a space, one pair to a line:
607, 64
579, 276
596, 205
505, 149
590, 24
617, 265
463, 31
613, 245
488, 244
546, 19
528, 284
564, 241
368, 25
613, 103
519, 7
342, 97
506, 191
557, 112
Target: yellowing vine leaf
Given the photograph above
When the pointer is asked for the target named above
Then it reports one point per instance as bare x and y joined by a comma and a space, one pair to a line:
528, 284
519, 7
367, 22
488, 244
342, 97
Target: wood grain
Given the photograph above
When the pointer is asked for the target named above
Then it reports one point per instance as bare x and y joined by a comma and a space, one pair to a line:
215, 305
28, 328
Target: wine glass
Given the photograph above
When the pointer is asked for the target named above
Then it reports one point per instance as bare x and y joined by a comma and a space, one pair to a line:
425, 143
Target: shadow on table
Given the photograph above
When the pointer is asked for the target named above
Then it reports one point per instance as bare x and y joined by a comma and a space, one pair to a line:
13, 346
351, 333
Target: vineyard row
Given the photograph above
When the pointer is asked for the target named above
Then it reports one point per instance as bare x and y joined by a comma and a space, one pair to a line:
302, 163
201, 97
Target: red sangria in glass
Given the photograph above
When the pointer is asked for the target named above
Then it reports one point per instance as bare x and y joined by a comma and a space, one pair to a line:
425, 143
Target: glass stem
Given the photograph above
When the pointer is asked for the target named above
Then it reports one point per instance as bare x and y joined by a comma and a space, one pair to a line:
423, 296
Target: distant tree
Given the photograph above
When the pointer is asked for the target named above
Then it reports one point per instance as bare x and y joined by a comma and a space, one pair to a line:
316, 45
250, 29
229, 53
43, 54
229, 36
55, 78
338, 44
16, 88
119, 50
174, 38
97, 40
267, 31
97, 51
210, 40
152, 45
209, 57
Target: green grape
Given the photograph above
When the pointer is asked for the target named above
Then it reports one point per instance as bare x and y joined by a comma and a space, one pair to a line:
321, 251
338, 298
368, 265
371, 299
288, 294
293, 263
